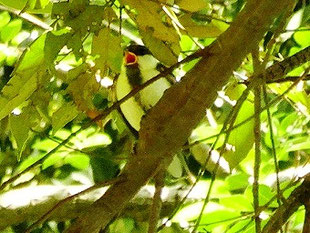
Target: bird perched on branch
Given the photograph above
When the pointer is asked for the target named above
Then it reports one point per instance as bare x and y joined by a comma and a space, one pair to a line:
138, 67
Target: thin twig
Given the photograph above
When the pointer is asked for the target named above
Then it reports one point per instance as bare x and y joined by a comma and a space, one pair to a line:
273, 147
257, 160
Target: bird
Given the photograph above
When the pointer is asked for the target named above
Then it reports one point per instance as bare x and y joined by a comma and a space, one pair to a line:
139, 66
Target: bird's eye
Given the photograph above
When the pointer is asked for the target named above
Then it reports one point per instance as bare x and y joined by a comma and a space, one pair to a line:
130, 58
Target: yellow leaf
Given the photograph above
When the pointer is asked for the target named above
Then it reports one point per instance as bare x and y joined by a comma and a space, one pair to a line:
82, 90
191, 5
150, 19
162, 51
197, 30
108, 47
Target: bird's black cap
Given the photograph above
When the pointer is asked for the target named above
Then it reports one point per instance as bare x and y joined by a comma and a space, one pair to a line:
138, 50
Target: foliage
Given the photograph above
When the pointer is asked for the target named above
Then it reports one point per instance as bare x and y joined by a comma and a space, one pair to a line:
53, 82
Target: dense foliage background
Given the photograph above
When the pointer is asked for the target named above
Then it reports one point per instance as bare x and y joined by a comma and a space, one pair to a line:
59, 60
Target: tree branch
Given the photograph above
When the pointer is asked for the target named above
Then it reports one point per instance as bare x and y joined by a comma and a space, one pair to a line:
31, 203
300, 196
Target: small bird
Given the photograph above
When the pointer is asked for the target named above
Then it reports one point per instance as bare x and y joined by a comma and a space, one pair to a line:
138, 67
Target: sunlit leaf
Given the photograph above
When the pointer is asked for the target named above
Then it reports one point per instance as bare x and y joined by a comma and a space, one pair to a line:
124, 225
192, 5
244, 226
77, 160
167, 54
108, 47
305, 145
198, 30
33, 6
82, 90
54, 42
66, 113
25, 80
241, 139
4, 19
192, 211
237, 202
218, 217
175, 168
297, 95
149, 19
237, 181
19, 130
52, 160
10, 30
265, 195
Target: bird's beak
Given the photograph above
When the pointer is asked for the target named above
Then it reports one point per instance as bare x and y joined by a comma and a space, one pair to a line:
130, 58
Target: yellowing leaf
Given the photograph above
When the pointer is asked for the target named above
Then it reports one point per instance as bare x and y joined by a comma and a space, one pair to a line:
55, 41
108, 47
82, 90
149, 19
197, 30
192, 5
66, 113
160, 50
175, 168
20, 126
19, 131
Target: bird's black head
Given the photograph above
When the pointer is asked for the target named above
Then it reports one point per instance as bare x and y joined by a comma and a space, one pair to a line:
138, 50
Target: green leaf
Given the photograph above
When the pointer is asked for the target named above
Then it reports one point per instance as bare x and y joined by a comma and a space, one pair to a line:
124, 225
299, 97
175, 168
39, 6
302, 38
77, 160
192, 5
25, 79
237, 202
150, 19
237, 181
108, 47
199, 30
192, 211
217, 218
66, 113
167, 54
244, 226
241, 139
10, 30
17, 4
20, 130
54, 42
265, 194
299, 146
103, 168
4, 19
52, 159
